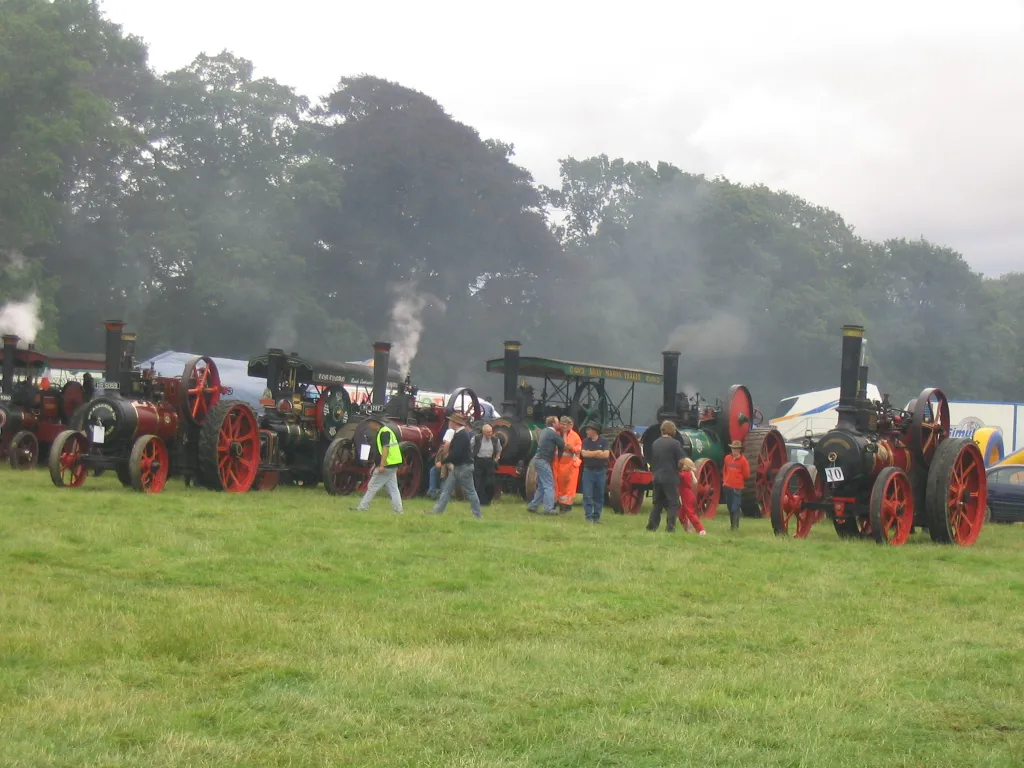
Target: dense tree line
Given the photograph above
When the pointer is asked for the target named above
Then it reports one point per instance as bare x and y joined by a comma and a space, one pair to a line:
220, 213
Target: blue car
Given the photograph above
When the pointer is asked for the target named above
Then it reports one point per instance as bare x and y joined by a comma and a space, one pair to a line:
1006, 494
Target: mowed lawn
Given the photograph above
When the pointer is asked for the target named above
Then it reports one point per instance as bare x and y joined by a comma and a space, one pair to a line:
195, 628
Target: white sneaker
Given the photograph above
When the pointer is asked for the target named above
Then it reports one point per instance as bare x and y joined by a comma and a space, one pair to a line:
703, 533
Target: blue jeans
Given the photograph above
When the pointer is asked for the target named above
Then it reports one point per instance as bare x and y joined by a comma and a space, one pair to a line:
545, 493
463, 476
435, 482
593, 492
733, 497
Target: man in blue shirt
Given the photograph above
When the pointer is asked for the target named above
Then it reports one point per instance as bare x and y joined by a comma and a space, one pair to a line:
595, 455
548, 442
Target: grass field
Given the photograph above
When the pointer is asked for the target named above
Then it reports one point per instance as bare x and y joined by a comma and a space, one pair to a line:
195, 628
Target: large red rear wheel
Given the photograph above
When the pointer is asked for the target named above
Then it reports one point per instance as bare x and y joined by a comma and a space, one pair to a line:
625, 497
929, 425
956, 493
891, 507
340, 473
229, 447
149, 464
792, 489
202, 388
765, 450
410, 474
66, 454
709, 488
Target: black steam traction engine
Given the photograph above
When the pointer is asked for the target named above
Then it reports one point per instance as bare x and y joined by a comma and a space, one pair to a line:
883, 470
32, 410
306, 405
351, 456
704, 430
148, 428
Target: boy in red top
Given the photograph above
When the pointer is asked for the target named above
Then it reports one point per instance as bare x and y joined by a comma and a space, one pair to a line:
735, 472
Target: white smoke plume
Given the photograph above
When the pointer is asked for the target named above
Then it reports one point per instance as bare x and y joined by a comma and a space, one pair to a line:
283, 334
722, 336
17, 259
407, 323
22, 318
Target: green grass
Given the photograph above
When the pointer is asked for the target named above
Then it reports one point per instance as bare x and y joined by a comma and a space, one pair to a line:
195, 628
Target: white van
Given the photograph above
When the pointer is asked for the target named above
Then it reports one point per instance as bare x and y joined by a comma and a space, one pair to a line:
814, 412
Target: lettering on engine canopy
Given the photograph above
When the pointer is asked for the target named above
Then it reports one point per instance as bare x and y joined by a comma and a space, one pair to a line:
330, 378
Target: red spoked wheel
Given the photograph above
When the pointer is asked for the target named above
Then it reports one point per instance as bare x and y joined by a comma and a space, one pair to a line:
410, 474
202, 388
23, 451
72, 395
66, 467
891, 507
738, 414
229, 447
792, 489
624, 442
709, 488
956, 493
340, 473
626, 496
819, 492
149, 464
465, 401
765, 451
929, 425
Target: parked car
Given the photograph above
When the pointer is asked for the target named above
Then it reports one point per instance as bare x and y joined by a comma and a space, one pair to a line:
1006, 494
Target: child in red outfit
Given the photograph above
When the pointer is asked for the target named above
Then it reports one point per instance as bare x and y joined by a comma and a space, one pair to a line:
688, 496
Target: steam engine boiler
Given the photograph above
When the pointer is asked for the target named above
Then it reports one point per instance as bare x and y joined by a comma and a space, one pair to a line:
884, 471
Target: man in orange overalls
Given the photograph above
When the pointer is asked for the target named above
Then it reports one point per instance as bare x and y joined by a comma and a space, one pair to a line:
567, 466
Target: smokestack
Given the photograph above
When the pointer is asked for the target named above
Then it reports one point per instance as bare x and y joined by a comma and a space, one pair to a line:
127, 361
508, 405
381, 361
669, 381
113, 350
853, 340
275, 358
10, 350
862, 372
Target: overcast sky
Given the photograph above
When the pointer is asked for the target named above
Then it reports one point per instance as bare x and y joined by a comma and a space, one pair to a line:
905, 116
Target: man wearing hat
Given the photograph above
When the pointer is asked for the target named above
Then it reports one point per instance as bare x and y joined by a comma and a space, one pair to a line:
460, 459
595, 453
735, 472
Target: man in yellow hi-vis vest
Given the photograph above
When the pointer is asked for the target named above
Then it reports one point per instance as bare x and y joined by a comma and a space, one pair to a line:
385, 473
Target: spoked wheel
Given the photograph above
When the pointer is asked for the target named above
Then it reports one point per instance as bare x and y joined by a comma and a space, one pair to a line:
149, 464
333, 410
929, 425
765, 450
66, 453
201, 382
410, 474
23, 451
709, 488
625, 497
339, 476
851, 527
957, 492
891, 508
465, 401
589, 403
229, 447
792, 489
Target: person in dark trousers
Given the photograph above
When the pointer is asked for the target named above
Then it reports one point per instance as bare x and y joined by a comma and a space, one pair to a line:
595, 455
460, 458
486, 451
549, 441
666, 463
735, 472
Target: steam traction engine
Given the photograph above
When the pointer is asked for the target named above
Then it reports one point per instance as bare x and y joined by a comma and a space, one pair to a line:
704, 430
32, 413
148, 428
884, 470
352, 455
305, 406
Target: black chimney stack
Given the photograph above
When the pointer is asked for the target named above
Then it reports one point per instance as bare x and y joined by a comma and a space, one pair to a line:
862, 372
10, 350
274, 358
669, 382
853, 341
127, 362
508, 404
381, 361
113, 352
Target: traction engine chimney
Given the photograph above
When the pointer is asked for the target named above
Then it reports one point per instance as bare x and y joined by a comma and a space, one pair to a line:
10, 350
127, 361
862, 372
381, 361
511, 379
112, 350
669, 382
853, 340
274, 368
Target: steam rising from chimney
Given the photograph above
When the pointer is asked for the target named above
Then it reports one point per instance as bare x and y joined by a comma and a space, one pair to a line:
407, 322
722, 336
283, 333
22, 318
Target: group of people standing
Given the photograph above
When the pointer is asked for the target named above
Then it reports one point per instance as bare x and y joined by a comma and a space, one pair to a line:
556, 464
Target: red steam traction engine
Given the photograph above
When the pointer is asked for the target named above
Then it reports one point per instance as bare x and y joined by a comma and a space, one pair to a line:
885, 471
148, 428
32, 412
351, 456
704, 430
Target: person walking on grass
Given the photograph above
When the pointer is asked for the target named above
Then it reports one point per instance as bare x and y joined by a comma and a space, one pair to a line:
385, 473
735, 472
460, 460
486, 452
688, 498
549, 441
594, 452
666, 463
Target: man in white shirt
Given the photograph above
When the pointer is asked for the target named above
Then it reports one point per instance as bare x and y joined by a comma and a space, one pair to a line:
434, 490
